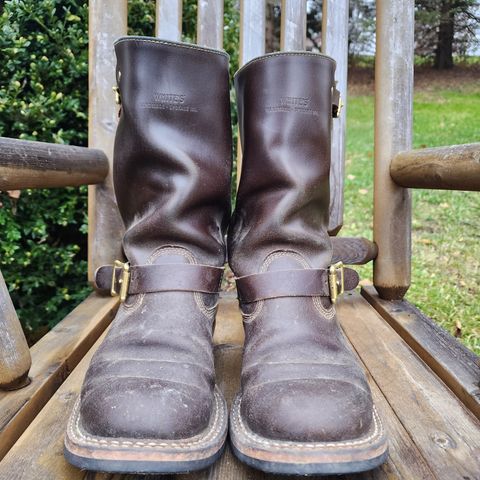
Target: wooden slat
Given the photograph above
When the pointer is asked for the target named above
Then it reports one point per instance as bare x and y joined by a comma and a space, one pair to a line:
393, 133
353, 251
15, 360
252, 29
335, 44
168, 24
107, 22
26, 164
457, 366
210, 23
38, 453
444, 431
456, 167
293, 28
53, 358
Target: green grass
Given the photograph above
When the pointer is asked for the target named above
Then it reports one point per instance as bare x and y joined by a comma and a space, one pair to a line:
446, 233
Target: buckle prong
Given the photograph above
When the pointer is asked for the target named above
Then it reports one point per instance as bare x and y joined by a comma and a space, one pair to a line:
123, 281
336, 284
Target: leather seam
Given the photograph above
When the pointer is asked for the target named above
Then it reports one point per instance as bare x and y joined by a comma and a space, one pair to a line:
238, 422
90, 440
190, 46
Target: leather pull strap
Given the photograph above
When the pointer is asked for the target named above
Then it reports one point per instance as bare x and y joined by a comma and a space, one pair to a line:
290, 283
162, 278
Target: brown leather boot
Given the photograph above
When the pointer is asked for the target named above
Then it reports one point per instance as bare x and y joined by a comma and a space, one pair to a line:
305, 406
149, 402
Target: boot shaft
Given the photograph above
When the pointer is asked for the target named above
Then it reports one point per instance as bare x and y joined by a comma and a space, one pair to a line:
285, 113
172, 156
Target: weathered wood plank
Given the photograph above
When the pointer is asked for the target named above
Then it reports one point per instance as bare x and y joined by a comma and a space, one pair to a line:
393, 133
228, 324
353, 251
335, 43
252, 29
26, 164
457, 366
107, 22
444, 431
210, 23
53, 358
168, 24
293, 27
15, 360
456, 167
38, 453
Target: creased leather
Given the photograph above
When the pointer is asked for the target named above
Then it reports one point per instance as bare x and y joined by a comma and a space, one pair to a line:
153, 376
300, 381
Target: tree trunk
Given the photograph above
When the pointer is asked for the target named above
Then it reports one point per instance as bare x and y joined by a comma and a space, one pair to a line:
444, 51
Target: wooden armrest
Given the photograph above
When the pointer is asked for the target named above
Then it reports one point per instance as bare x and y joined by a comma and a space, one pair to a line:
445, 168
27, 164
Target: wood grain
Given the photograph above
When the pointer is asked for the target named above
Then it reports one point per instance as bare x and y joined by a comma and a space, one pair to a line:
335, 44
252, 29
15, 360
444, 431
38, 453
457, 366
393, 133
210, 23
456, 167
353, 251
27, 164
107, 22
293, 27
168, 24
53, 358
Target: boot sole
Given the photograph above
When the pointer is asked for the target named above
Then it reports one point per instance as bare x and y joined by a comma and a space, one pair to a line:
299, 458
143, 456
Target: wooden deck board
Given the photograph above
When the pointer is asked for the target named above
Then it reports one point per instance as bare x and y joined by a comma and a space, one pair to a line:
53, 358
457, 366
444, 431
423, 444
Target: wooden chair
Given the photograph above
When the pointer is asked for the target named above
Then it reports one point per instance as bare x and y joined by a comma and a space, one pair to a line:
425, 383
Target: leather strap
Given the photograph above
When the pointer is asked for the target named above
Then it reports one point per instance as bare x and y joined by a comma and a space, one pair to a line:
183, 277
290, 283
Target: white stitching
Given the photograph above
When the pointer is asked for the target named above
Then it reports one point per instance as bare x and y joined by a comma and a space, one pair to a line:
190, 46
75, 432
238, 423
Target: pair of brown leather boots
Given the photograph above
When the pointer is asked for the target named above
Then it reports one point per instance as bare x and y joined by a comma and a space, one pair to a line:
149, 403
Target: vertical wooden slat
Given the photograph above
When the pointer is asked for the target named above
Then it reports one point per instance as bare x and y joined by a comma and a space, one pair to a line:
252, 29
252, 44
15, 360
107, 22
393, 133
168, 23
293, 30
335, 44
210, 23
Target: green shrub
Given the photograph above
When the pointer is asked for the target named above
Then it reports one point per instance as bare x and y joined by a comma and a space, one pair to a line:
44, 96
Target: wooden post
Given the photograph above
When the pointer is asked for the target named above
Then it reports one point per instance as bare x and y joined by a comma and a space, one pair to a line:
107, 22
168, 24
26, 164
335, 44
252, 29
456, 167
252, 44
393, 133
210, 23
15, 360
293, 29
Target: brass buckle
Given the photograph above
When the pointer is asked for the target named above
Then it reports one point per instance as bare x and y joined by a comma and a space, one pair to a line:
123, 281
336, 284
